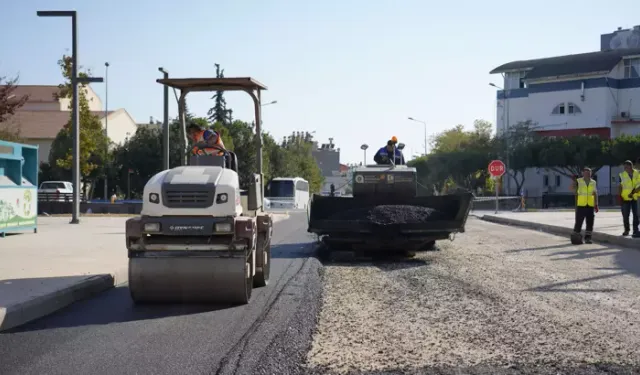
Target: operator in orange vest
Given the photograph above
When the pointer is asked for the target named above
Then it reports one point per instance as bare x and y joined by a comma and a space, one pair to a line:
200, 135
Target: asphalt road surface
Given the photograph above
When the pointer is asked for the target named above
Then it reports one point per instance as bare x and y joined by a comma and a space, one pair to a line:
109, 335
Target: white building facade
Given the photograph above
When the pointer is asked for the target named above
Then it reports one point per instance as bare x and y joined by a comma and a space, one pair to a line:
595, 93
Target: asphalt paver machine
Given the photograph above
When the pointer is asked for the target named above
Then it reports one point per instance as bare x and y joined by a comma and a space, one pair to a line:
385, 214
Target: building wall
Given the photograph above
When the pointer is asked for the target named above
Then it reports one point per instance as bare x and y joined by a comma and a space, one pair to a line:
339, 182
120, 126
95, 104
44, 147
601, 101
41, 106
559, 183
328, 161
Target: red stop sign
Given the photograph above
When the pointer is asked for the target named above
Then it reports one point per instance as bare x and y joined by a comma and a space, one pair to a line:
496, 168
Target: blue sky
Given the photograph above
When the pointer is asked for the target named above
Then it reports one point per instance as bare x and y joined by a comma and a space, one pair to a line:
352, 70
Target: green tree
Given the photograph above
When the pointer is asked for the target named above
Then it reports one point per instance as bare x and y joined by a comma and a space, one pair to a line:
142, 155
93, 140
567, 156
622, 148
520, 146
299, 161
450, 140
9, 104
219, 112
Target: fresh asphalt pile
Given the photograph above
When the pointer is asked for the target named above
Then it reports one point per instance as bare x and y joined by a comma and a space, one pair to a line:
497, 300
390, 214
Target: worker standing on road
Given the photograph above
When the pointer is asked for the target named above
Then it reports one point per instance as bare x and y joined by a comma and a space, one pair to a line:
200, 135
628, 193
586, 205
383, 155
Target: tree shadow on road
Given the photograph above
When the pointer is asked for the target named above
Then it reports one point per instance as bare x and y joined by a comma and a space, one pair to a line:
539, 248
626, 261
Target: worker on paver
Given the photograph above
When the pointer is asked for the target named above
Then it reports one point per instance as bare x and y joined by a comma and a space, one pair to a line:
586, 205
383, 154
628, 192
200, 135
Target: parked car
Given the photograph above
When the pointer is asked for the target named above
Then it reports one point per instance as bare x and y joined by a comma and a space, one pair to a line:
55, 191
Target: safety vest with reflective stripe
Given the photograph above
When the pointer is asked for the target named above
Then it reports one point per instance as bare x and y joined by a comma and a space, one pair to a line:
628, 183
585, 193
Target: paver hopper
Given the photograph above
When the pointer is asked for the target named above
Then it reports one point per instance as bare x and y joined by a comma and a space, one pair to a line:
384, 213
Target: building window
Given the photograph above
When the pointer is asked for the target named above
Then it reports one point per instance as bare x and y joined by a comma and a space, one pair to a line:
559, 109
302, 186
632, 68
514, 80
572, 108
545, 180
558, 181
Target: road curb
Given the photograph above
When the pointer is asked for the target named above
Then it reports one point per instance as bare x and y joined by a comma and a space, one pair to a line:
562, 231
16, 315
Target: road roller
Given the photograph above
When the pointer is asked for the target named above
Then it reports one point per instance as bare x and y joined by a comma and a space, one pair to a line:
200, 238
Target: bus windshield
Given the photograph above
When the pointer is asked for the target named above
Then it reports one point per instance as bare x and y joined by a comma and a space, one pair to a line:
280, 189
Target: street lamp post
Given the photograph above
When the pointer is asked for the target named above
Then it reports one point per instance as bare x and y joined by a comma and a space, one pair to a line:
165, 123
364, 148
425, 133
272, 102
106, 126
75, 115
506, 130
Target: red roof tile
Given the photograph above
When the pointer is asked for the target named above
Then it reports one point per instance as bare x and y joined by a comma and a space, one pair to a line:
37, 93
43, 124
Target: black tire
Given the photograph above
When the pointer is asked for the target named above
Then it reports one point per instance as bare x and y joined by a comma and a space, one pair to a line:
430, 246
263, 250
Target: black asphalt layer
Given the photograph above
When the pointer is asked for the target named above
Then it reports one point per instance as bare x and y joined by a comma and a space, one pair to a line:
108, 334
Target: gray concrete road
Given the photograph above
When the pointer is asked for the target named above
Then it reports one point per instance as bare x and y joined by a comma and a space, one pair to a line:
109, 335
497, 300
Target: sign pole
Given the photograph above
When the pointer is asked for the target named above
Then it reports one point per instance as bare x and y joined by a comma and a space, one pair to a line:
497, 192
496, 169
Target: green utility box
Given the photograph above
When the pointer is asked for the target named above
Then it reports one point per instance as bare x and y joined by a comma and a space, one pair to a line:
18, 187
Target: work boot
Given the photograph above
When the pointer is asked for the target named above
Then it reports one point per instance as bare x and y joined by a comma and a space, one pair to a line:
587, 239
636, 235
626, 233
576, 238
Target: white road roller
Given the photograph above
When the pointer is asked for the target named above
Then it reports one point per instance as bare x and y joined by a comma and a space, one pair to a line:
198, 239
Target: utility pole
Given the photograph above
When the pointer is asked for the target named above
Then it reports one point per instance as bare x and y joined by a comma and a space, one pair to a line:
165, 124
75, 113
425, 133
106, 127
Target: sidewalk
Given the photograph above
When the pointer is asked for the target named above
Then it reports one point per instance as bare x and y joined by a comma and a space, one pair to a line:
63, 263
607, 228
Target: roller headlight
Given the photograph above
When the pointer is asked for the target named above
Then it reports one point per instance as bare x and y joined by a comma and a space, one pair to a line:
152, 227
154, 198
223, 227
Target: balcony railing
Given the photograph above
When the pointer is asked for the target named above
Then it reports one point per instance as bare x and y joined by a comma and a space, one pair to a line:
626, 119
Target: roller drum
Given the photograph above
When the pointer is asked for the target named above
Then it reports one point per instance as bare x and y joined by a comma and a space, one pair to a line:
190, 279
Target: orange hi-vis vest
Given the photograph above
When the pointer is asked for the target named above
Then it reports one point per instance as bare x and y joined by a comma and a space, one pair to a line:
205, 136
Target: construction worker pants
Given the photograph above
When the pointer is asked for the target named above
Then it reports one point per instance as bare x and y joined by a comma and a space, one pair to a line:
630, 207
584, 213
